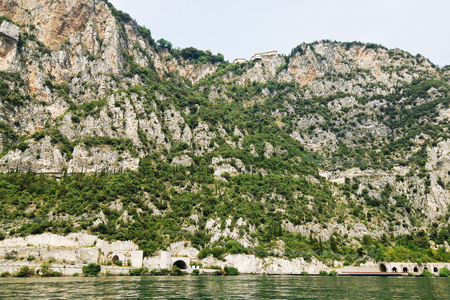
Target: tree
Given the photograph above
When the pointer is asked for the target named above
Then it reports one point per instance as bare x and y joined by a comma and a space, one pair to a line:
444, 272
25, 271
165, 44
191, 53
231, 271
91, 270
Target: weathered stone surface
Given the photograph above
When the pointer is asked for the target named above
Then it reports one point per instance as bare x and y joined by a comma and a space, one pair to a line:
75, 247
182, 160
9, 36
10, 30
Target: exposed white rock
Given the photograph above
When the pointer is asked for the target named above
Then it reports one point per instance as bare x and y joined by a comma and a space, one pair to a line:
10, 30
182, 160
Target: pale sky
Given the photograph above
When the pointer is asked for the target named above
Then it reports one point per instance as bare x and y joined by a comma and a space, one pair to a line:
240, 28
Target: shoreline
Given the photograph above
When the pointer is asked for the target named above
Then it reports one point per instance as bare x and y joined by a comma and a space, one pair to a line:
68, 255
11, 269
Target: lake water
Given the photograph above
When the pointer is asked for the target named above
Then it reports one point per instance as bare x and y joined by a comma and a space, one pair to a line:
210, 287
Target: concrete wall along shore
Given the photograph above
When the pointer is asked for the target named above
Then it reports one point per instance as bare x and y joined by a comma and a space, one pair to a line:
69, 253
72, 251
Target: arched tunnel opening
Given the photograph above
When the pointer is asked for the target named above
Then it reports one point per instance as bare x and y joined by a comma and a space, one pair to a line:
394, 269
416, 269
115, 258
383, 268
405, 270
180, 264
435, 270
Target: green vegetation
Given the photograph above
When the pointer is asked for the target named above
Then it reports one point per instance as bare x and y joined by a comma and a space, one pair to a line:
139, 272
444, 272
175, 271
25, 271
13, 91
121, 16
427, 273
91, 269
5, 274
6, 18
231, 271
46, 271
251, 125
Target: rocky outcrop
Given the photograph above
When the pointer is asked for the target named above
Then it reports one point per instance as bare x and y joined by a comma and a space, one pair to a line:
55, 21
9, 36
43, 157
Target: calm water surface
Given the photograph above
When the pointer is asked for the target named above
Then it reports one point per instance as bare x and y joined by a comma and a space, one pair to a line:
241, 287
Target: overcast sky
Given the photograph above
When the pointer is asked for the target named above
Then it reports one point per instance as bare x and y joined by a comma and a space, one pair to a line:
240, 28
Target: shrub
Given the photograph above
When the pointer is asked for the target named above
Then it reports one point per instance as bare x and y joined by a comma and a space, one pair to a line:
76, 274
217, 252
427, 273
304, 273
333, 273
118, 263
176, 271
139, 272
30, 258
323, 273
25, 271
11, 255
164, 272
45, 271
5, 274
196, 272
234, 247
218, 273
444, 272
204, 253
231, 271
91, 270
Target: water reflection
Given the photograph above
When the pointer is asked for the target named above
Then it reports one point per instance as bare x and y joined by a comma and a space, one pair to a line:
242, 287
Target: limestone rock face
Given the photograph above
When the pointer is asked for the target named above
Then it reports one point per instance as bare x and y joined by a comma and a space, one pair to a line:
85, 89
56, 21
182, 160
9, 36
10, 30
40, 157
96, 159
438, 165
249, 264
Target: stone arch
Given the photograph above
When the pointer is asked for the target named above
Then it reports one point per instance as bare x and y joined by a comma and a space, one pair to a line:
416, 269
180, 264
115, 258
383, 268
394, 269
435, 270
405, 270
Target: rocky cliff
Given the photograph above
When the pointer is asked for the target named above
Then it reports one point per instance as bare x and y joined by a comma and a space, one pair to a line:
335, 139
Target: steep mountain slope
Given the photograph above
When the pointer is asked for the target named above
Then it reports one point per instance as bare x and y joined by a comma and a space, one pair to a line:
335, 148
